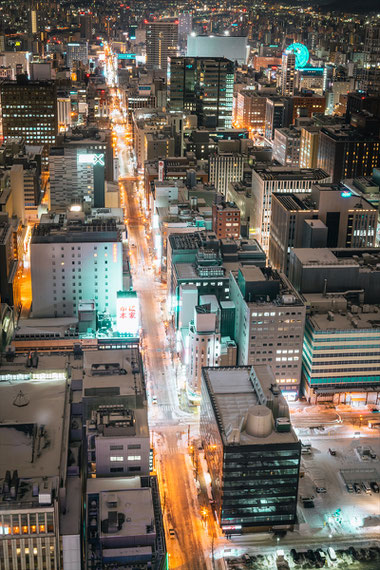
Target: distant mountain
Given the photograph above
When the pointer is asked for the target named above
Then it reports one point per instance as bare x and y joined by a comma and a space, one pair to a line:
355, 6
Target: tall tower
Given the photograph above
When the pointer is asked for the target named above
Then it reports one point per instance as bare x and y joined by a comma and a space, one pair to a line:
161, 43
370, 80
288, 74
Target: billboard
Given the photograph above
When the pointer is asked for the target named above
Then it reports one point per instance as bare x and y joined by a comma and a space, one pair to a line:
91, 158
128, 313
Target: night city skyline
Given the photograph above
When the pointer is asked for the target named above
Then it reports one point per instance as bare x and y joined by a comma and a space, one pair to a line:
189, 285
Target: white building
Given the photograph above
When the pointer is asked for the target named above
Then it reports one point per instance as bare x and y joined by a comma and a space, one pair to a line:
63, 113
266, 180
269, 324
204, 344
74, 260
77, 52
225, 167
286, 146
234, 48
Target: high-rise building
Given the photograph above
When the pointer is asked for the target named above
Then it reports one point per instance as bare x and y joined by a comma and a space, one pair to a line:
78, 170
161, 43
73, 261
344, 152
307, 105
231, 47
185, 26
278, 114
309, 146
246, 431
85, 22
286, 146
64, 113
269, 179
330, 216
370, 80
224, 168
288, 74
204, 87
29, 110
77, 52
226, 220
250, 110
269, 324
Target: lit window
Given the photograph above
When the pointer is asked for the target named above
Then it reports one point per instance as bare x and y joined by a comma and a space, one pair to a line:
117, 458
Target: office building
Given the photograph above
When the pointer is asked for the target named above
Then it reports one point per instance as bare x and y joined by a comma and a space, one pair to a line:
78, 166
370, 77
288, 74
225, 167
329, 216
286, 146
231, 47
10, 274
269, 324
340, 355
85, 23
344, 152
29, 110
35, 487
225, 220
203, 86
161, 43
124, 526
185, 26
269, 179
64, 113
250, 110
77, 52
278, 114
309, 147
73, 259
308, 104
253, 454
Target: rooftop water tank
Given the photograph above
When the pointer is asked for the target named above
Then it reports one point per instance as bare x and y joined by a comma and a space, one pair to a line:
259, 421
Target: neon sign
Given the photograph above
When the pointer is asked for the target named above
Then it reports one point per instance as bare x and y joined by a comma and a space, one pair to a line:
91, 158
127, 313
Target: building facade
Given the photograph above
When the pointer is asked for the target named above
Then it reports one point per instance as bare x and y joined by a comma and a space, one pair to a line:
225, 167
161, 43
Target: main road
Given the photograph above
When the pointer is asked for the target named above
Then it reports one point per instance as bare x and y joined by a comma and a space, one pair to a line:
189, 545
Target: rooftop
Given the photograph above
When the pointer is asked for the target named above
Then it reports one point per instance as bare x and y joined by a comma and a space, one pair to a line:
289, 173
346, 133
358, 318
236, 391
33, 438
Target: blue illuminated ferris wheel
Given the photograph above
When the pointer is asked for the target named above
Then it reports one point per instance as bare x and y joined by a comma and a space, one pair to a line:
301, 52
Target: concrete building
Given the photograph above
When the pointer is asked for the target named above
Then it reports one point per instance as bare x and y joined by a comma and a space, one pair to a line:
370, 77
10, 262
225, 167
78, 169
253, 454
77, 52
286, 146
124, 526
308, 104
226, 220
344, 152
74, 260
269, 179
35, 487
161, 43
309, 147
269, 324
36, 103
341, 358
203, 86
278, 114
250, 110
288, 74
231, 47
64, 113
330, 216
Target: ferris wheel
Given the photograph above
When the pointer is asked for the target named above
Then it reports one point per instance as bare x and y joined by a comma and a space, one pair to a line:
301, 52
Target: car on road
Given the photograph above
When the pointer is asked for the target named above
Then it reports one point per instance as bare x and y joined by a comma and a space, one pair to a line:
171, 533
320, 490
331, 553
374, 486
357, 488
154, 399
372, 455
350, 488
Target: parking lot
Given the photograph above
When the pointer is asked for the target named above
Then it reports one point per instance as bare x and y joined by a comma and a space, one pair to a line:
337, 510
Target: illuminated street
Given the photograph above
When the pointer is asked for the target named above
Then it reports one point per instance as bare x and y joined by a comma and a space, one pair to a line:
168, 423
